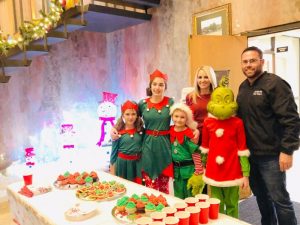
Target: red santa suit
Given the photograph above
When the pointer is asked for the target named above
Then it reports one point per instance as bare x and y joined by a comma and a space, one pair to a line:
224, 141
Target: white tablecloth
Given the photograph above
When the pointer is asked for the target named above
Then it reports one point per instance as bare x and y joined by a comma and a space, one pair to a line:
49, 208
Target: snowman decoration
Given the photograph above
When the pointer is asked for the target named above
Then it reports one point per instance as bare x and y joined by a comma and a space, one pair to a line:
29, 157
107, 112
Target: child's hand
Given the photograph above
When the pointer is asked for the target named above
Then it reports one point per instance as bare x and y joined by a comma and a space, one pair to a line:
245, 183
112, 169
114, 134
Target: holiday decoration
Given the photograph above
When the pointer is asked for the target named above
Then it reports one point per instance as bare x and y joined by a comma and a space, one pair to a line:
67, 154
6, 43
33, 30
67, 136
68, 4
36, 29
29, 157
107, 112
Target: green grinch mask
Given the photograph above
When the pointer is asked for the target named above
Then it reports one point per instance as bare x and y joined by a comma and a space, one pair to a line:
222, 104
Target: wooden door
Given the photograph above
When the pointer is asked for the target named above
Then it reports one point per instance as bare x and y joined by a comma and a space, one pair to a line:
221, 52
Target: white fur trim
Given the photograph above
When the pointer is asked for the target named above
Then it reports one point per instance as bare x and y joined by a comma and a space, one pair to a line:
220, 160
219, 132
211, 115
203, 150
227, 183
191, 123
245, 152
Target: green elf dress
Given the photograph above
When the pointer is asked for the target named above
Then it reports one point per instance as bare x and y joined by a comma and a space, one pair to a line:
184, 167
126, 153
156, 159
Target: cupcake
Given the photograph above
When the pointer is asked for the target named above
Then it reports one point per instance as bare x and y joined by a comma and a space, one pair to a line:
159, 207
149, 208
121, 203
94, 175
73, 183
88, 180
80, 181
130, 208
60, 179
119, 188
84, 174
161, 199
67, 174
140, 206
76, 174
112, 182
144, 199
135, 196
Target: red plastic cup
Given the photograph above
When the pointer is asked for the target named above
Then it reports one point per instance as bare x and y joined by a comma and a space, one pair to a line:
184, 217
158, 216
180, 206
157, 223
194, 211
204, 212
191, 201
170, 211
214, 208
202, 197
143, 220
171, 220
27, 179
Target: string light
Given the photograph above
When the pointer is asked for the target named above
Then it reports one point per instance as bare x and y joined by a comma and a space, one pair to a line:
33, 30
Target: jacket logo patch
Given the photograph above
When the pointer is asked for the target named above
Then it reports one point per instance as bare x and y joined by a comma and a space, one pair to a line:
257, 92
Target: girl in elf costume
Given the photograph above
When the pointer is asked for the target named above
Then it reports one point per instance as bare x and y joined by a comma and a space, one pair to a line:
185, 153
126, 150
224, 150
156, 160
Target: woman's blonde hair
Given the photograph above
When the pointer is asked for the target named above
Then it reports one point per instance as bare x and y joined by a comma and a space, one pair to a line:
209, 71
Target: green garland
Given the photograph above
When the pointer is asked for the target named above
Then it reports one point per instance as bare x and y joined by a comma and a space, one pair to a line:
33, 30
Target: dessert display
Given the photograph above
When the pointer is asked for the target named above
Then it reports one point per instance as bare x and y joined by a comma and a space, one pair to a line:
131, 208
80, 211
98, 191
75, 180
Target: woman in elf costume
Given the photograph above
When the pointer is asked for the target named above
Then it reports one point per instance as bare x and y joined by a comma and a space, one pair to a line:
156, 160
185, 153
224, 150
126, 150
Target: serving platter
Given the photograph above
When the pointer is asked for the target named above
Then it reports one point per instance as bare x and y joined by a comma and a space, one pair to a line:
80, 212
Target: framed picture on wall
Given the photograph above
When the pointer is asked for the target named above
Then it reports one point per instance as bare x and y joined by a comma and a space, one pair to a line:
215, 21
220, 74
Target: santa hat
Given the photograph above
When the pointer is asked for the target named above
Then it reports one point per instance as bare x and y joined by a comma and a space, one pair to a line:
191, 123
157, 73
129, 105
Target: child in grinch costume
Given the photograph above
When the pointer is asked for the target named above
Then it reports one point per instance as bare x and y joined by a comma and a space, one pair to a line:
185, 153
224, 151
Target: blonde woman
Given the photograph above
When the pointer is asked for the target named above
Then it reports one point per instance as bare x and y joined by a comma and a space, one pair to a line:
204, 83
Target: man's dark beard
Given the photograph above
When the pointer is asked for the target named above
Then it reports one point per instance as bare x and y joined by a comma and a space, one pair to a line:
257, 73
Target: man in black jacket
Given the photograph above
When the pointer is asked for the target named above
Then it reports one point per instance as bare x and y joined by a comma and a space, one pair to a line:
268, 109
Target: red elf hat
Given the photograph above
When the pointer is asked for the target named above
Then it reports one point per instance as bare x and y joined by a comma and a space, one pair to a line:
129, 105
157, 73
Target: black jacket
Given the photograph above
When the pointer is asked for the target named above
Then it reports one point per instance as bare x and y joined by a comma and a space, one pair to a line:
270, 115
